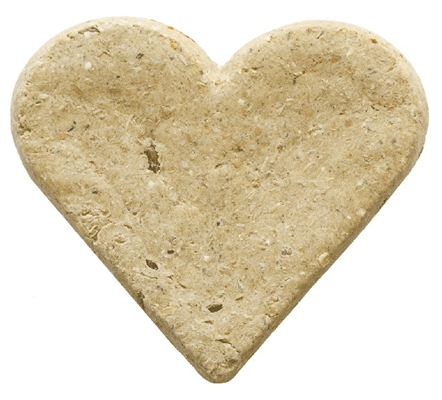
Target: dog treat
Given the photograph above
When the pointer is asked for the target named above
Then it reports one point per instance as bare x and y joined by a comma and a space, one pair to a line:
218, 195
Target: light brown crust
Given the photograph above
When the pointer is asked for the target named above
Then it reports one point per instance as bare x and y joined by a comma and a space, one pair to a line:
218, 195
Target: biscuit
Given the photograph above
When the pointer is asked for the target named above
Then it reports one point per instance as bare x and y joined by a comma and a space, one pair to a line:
218, 195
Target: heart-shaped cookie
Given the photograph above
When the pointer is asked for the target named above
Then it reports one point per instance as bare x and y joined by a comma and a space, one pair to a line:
218, 196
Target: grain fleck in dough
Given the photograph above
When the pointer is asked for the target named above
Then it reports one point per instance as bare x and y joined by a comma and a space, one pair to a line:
218, 195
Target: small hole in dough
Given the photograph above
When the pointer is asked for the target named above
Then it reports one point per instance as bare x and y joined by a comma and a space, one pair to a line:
152, 158
152, 264
215, 307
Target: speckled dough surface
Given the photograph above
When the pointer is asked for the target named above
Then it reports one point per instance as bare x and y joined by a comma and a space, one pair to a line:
218, 195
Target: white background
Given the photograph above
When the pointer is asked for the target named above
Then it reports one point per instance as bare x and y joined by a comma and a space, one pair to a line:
370, 328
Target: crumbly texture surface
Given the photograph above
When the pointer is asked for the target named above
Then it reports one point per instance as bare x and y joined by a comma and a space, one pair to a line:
218, 195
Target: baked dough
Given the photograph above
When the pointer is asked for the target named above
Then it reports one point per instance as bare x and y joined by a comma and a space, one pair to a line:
218, 195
